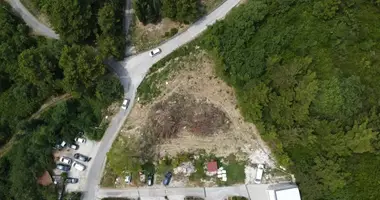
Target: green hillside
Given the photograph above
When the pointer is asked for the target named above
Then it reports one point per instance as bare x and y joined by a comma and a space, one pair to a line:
307, 74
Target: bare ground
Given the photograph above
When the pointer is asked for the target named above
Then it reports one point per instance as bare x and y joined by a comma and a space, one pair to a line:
196, 89
150, 35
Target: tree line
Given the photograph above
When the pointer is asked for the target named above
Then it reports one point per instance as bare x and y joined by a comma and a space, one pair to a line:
306, 74
184, 11
32, 70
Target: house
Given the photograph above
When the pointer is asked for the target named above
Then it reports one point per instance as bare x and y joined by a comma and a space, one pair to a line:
283, 191
45, 179
212, 168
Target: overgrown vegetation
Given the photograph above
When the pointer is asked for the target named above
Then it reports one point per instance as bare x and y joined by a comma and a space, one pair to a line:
32, 70
150, 87
306, 73
151, 11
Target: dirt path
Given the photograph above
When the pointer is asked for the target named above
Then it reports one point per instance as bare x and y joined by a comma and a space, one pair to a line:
48, 104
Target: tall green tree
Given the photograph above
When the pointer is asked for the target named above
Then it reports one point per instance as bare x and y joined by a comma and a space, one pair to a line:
81, 67
72, 20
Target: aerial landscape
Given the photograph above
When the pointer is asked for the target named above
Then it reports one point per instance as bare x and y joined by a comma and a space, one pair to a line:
189, 100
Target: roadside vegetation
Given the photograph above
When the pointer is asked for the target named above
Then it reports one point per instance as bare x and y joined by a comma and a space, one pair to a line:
306, 73
159, 20
32, 70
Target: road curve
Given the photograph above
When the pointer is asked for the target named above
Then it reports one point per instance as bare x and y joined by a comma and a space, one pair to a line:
131, 72
31, 21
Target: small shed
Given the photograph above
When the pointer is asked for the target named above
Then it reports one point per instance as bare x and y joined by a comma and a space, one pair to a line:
212, 167
45, 179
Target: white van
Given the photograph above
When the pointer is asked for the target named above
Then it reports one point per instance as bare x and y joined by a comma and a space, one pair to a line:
78, 166
259, 173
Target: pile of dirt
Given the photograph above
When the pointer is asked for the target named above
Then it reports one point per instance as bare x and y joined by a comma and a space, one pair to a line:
183, 111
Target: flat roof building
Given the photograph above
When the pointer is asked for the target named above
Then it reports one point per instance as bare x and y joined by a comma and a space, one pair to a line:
283, 191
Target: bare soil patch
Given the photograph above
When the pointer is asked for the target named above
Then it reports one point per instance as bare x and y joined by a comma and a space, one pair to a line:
183, 111
196, 110
150, 35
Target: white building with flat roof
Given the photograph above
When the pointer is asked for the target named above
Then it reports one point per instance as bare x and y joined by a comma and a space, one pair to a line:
283, 191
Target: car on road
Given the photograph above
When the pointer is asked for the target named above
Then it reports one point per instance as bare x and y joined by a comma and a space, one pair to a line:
80, 140
168, 177
63, 167
79, 166
155, 52
259, 173
72, 180
74, 146
125, 104
82, 157
65, 160
150, 179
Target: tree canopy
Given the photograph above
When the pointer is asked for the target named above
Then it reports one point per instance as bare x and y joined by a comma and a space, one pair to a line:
306, 74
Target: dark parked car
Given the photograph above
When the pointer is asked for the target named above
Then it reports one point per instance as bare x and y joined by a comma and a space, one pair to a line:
72, 180
168, 177
64, 167
82, 157
150, 179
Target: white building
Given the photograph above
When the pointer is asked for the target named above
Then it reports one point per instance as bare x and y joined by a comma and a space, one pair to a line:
284, 191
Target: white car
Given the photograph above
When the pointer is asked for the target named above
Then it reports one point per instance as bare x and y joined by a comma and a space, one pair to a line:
125, 104
74, 146
79, 166
259, 173
80, 140
65, 160
154, 52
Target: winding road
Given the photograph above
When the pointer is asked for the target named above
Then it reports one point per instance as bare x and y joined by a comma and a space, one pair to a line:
131, 72
38, 27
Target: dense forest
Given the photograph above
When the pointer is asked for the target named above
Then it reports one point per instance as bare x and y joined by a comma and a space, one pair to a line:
88, 22
184, 11
32, 70
307, 74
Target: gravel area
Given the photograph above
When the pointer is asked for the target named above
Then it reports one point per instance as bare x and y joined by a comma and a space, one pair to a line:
88, 149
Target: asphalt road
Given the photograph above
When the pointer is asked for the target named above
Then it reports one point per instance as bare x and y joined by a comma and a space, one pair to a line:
131, 72
31, 21
254, 192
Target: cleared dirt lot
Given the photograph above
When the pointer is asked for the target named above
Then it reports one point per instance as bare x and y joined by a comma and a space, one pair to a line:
199, 110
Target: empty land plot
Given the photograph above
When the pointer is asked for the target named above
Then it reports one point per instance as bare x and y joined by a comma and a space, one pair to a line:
195, 110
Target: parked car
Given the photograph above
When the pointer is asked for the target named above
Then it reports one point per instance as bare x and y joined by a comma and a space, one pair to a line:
65, 160
168, 177
150, 179
155, 52
72, 180
63, 144
82, 157
128, 179
259, 173
79, 166
80, 140
125, 104
74, 146
63, 167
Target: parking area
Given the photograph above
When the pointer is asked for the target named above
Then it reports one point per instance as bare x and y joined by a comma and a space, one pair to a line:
88, 149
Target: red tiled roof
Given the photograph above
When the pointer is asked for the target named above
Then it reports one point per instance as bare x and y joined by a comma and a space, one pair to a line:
45, 179
212, 166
